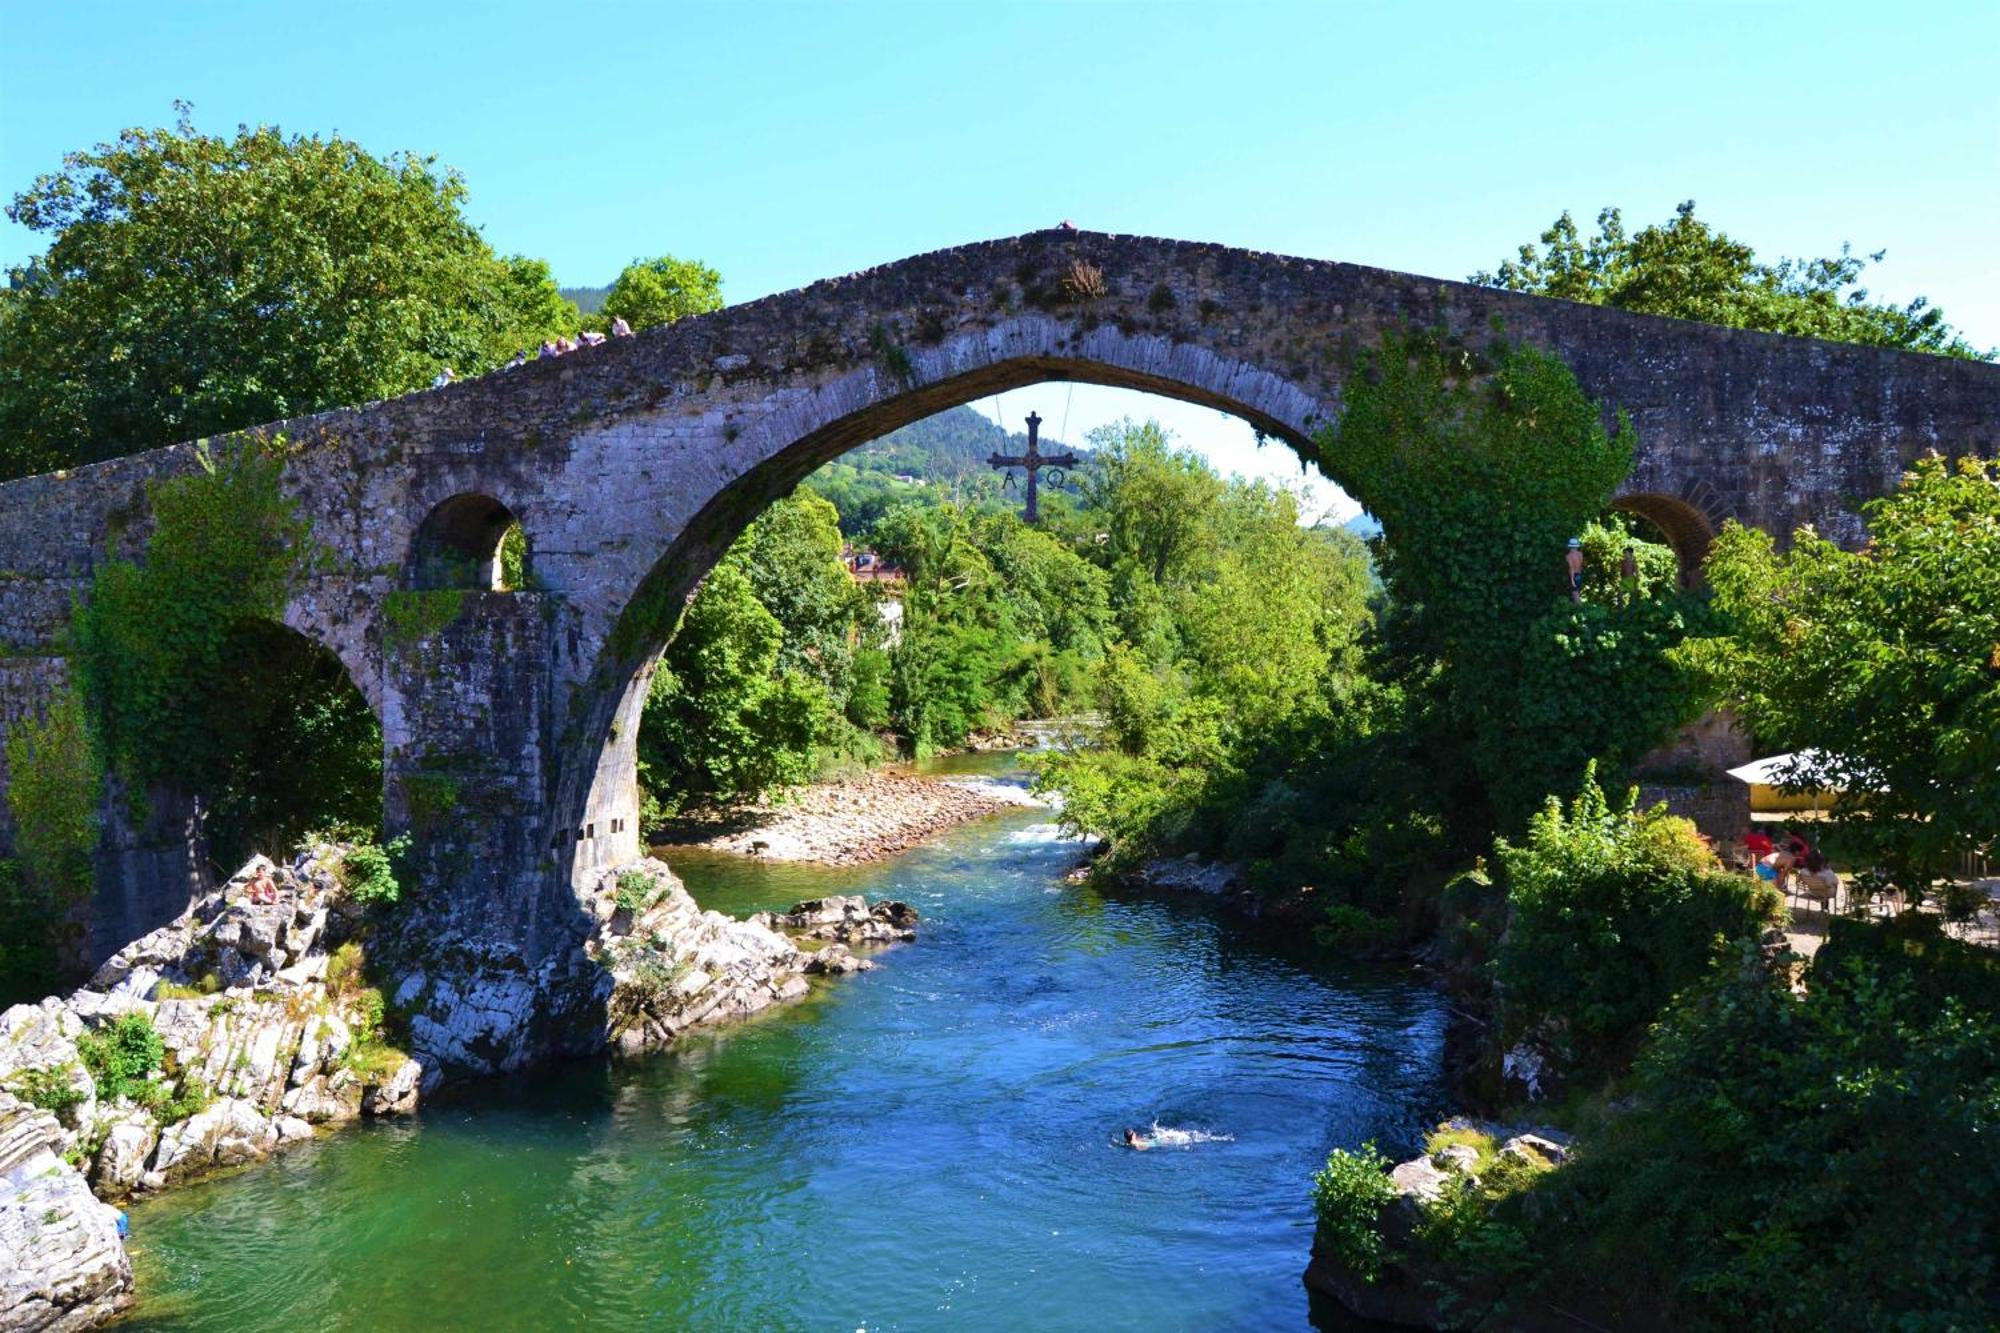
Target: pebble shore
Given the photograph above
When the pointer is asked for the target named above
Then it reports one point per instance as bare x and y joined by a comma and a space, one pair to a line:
848, 821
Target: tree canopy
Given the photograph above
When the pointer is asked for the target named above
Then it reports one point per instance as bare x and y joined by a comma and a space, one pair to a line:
659, 291
1689, 270
1884, 662
196, 283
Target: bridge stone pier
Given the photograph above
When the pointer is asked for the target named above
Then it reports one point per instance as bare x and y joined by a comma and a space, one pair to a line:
509, 718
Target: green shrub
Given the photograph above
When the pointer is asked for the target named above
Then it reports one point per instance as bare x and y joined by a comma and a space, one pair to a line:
50, 1089
121, 1055
1612, 910
1825, 1160
1349, 1194
637, 890
368, 871
1351, 928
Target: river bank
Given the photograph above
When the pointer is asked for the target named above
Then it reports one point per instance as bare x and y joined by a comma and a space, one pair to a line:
253, 1023
848, 821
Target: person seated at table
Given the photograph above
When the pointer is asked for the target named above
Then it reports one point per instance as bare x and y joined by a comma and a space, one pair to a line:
1816, 878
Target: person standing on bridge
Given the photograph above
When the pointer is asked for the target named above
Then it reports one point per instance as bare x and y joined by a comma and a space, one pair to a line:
1573, 559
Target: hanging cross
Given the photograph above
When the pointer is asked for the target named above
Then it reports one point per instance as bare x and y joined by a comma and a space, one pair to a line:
1034, 461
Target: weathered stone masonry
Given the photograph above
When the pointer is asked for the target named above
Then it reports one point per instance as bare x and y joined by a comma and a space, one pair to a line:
509, 732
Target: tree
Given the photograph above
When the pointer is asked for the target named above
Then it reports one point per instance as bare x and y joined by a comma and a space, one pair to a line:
719, 720
1480, 465
791, 555
196, 284
1884, 662
1688, 270
660, 291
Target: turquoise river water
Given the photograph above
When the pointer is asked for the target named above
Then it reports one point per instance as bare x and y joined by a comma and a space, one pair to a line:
928, 1145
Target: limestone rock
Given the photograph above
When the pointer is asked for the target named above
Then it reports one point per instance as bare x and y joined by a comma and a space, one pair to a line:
1420, 1179
325, 1098
398, 1095
121, 1162
62, 1266
229, 1132
225, 1133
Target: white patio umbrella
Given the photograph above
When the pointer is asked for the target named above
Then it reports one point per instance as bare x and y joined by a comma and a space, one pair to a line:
1771, 772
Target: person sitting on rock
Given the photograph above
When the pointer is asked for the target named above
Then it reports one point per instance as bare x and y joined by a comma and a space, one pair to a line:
619, 328
263, 890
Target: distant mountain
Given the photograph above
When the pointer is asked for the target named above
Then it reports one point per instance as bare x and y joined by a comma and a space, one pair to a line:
954, 444
1362, 525
589, 300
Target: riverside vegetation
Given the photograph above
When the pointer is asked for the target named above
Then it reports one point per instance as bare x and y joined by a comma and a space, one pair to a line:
1411, 737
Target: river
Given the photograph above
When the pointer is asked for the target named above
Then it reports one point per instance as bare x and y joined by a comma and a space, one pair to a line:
928, 1145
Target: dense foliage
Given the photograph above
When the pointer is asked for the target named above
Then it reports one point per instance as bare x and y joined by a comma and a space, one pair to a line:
54, 780
1689, 270
1349, 1194
192, 683
1613, 911
1885, 663
1825, 1160
650, 292
1228, 626
121, 1055
755, 689
196, 283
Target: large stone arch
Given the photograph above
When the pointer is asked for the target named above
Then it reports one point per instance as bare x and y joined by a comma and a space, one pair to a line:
864, 405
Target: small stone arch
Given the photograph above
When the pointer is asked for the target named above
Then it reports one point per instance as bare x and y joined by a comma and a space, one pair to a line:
460, 545
1685, 527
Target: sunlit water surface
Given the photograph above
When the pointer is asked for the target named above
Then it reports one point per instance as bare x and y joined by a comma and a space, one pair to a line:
928, 1145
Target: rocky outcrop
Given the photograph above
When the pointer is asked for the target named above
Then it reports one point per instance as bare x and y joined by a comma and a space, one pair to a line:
61, 1263
845, 919
1402, 1293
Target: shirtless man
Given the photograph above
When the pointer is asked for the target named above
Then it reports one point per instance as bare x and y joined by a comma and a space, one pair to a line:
1573, 559
1136, 1141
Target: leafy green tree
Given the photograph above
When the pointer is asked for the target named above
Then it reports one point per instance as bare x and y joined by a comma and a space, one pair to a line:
720, 721
659, 291
1686, 269
1612, 910
197, 284
1885, 662
532, 309
791, 556
1159, 503
1480, 466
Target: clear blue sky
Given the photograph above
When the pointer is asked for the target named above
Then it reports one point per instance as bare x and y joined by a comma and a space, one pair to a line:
782, 144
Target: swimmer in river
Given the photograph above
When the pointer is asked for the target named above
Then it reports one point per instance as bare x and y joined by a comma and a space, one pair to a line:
1136, 1141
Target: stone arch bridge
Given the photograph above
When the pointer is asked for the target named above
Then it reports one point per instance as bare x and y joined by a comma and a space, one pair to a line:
509, 719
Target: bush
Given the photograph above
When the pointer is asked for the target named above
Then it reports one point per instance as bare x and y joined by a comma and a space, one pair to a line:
1349, 1194
637, 890
1828, 1160
368, 871
121, 1055
1612, 910
50, 1089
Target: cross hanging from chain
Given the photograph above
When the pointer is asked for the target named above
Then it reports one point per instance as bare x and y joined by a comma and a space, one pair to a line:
1034, 460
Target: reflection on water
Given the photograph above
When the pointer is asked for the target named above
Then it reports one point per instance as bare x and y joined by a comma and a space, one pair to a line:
928, 1145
